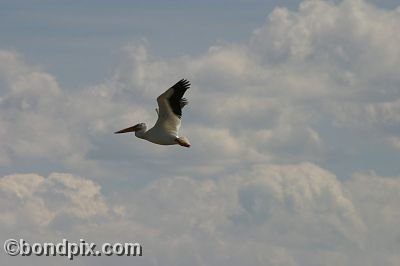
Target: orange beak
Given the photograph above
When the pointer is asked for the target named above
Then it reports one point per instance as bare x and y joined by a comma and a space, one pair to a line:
128, 129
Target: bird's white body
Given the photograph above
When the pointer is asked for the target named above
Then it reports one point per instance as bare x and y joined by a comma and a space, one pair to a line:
165, 131
159, 135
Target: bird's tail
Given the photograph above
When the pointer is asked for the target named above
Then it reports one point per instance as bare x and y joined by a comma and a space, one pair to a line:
183, 141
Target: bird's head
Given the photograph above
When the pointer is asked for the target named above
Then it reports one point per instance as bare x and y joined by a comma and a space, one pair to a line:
141, 127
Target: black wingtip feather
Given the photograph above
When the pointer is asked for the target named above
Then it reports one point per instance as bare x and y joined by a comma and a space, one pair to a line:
176, 100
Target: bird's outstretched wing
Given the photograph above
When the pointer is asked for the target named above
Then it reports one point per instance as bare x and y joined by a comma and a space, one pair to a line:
170, 105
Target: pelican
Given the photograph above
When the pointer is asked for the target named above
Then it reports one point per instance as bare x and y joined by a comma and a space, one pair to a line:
165, 130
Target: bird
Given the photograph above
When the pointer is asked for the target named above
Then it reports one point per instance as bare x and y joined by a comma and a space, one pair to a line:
166, 129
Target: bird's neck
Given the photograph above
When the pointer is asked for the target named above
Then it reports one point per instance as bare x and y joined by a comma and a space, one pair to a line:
141, 134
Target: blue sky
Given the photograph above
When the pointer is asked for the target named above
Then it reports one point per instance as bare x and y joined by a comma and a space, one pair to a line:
293, 119
79, 40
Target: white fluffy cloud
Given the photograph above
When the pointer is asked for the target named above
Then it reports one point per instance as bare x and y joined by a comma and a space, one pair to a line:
323, 64
40, 201
321, 68
272, 214
33, 121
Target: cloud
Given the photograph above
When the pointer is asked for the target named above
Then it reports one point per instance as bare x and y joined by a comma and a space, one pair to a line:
40, 201
278, 97
303, 73
280, 214
321, 66
378, 208
271, 214
33, 118
345, 54
264, 199
42, 122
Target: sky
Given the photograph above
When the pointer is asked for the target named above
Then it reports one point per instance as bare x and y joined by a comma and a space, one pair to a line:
293, 118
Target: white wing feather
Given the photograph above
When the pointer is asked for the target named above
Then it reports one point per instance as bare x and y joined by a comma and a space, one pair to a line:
167, 120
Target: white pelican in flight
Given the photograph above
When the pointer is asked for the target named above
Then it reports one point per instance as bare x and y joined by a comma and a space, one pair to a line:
165, 130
